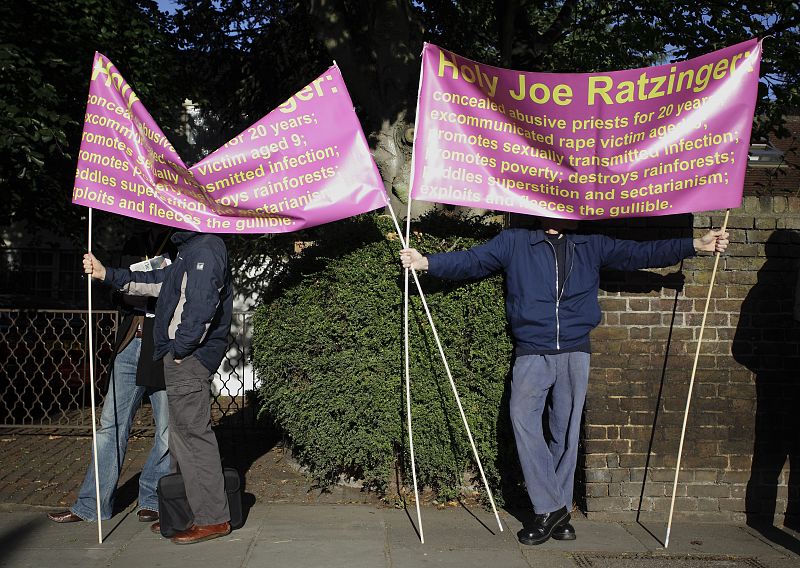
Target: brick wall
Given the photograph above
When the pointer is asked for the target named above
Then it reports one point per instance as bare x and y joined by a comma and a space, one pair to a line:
744, 423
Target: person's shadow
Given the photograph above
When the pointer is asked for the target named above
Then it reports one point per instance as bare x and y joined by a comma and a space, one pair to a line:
767, 341
244, 437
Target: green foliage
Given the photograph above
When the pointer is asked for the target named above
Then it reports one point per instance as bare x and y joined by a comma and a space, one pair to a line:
245, 58
329, 349
45, 61
31, 132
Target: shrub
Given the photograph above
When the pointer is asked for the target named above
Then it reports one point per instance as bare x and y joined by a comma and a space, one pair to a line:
328, 348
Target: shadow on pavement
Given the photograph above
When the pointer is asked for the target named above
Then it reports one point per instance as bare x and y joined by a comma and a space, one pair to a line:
776, 536
14, 538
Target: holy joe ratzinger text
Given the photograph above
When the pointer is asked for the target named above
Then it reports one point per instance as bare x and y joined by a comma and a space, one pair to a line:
600, 88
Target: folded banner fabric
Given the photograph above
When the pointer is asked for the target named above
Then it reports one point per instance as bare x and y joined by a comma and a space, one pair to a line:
656, 141
305, 163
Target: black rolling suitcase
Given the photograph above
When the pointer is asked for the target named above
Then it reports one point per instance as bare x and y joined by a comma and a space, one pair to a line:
173, 507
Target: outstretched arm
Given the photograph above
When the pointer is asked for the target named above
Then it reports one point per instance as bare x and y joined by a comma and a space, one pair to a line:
133, 283
619, 254
477, 262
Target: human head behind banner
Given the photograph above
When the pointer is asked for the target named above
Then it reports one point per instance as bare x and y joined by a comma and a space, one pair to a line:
519, 221
558, 225
150, 240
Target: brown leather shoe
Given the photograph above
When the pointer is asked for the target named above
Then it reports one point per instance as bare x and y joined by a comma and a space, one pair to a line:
64, 517
199, 533
156, 527
147, 515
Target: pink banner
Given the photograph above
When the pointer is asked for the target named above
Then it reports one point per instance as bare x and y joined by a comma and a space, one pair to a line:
304, 164
654, 141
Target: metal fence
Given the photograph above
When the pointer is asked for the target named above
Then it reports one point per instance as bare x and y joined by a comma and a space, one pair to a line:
44, 369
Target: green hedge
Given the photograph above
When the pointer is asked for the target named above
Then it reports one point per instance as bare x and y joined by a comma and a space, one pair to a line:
328, 348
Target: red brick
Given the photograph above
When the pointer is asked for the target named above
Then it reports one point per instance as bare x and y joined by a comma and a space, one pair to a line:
609, 504
640, 318
613, 304
765, 223
595, 460
596, 490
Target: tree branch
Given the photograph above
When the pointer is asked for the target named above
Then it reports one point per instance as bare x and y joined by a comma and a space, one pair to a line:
376, 45
558, 26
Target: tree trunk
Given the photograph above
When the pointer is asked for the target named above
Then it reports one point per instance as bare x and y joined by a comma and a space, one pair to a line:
377, 48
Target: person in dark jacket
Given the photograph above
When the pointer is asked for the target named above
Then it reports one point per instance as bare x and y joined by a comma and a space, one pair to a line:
552, 281
192, 322
134, 375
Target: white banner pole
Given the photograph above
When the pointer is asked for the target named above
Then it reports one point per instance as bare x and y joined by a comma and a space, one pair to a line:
407, 357
90, 328
407, 354
406, 341
691, 387
450, 377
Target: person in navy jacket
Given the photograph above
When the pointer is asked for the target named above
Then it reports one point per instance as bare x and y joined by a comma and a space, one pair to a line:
192, 321
552, 281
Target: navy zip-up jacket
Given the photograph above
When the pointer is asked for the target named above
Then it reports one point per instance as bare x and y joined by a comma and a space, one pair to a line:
540, 319
195, 299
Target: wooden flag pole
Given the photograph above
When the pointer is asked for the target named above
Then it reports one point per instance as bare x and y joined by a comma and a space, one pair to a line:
90, 328
691, 386
446, 365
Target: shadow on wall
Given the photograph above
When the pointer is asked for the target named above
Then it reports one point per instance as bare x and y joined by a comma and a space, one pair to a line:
767, 342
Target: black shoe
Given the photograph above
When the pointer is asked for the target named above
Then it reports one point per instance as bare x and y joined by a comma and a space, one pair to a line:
542, 527
564, 531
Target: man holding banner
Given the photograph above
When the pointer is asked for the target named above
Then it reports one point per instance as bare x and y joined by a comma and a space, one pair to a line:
552, 281
662, 140
303, 164
193, 319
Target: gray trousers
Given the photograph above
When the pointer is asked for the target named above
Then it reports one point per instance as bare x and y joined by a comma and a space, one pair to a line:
549, 466
192, 443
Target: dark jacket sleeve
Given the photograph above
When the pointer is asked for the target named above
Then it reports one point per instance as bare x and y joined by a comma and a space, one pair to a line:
477, 262
205, 277
136, 283
617, 254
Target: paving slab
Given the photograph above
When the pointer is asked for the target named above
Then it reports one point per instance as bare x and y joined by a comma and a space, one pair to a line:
29, 539
366, 536
704, 538
152, 550
454, 537
319, 535
411, 557
453, 528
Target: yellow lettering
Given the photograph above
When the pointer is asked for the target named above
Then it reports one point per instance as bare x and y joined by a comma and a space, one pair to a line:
600, 90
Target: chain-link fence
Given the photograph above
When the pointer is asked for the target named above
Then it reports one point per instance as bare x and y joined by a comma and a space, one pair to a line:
44, 369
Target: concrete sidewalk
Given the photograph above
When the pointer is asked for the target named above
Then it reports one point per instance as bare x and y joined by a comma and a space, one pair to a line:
355, 536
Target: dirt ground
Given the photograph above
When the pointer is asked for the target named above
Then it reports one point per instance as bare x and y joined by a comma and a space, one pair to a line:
45, 468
